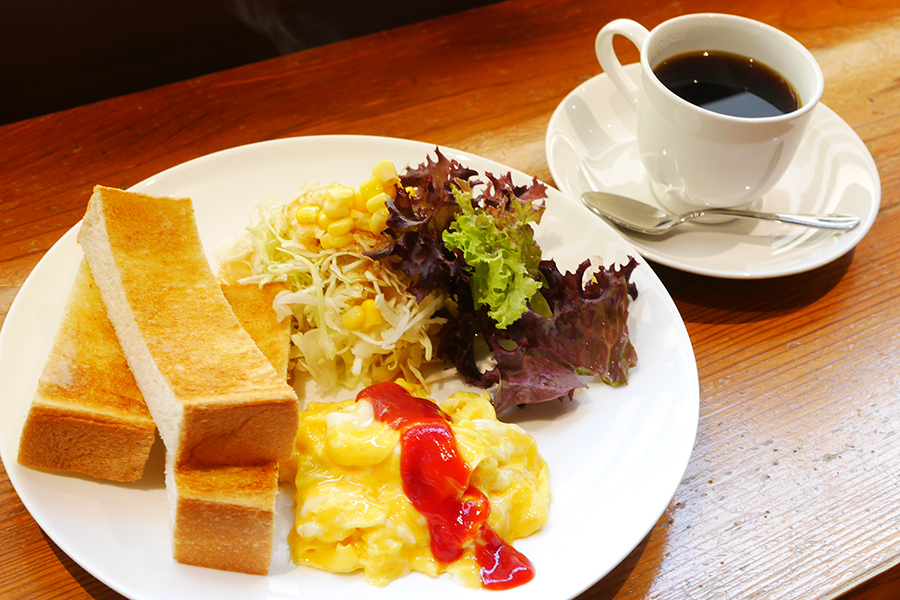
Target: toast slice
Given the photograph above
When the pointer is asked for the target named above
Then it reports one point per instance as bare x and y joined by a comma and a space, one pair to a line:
88, 415
215, 398
224, 517
252, 305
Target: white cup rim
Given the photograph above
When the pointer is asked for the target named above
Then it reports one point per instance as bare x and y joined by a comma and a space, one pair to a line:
808, 104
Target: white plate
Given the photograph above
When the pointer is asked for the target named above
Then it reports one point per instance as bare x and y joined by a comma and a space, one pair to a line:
590, 144
616, 455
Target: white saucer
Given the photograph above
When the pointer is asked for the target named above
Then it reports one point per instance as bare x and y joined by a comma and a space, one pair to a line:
590, 144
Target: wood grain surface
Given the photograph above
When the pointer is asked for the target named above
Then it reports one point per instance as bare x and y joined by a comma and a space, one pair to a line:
48, 63
793, 489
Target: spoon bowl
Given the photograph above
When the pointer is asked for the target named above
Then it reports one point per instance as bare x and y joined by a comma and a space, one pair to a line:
643, 218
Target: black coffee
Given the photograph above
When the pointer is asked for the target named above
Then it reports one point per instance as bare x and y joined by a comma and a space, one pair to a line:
728, 83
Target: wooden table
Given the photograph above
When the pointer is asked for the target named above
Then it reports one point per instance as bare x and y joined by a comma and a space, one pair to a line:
793, 490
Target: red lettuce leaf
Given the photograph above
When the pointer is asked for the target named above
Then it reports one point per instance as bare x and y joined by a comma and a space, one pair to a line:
582, 330
416, 223
540, 358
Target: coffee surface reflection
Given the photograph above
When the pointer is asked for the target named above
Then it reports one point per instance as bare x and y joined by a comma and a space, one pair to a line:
728, 84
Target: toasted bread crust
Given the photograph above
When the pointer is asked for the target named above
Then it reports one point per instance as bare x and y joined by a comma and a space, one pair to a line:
88, 415
224, 517
69, 440
252, 305
199, 370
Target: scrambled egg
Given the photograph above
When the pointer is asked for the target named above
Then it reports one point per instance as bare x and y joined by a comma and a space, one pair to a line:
352, 513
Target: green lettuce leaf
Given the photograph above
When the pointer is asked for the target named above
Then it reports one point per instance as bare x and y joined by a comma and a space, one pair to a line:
497, 243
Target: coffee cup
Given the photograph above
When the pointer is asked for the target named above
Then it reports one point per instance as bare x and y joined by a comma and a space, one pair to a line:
714, 134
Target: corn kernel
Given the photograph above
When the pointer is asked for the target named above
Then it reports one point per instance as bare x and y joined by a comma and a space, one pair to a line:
328, 241
341, 227
307, 215
334, 210
385, 170
360, 219
340, 194
390, 187
359, 203
377, 202
373, 317
369, 188
353, 318
378, 222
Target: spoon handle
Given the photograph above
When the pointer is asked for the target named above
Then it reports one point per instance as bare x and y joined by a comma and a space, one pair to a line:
822, 221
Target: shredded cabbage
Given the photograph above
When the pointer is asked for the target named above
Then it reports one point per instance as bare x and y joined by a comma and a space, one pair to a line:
325, 283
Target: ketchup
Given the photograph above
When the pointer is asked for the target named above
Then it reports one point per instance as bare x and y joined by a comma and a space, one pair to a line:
436, 481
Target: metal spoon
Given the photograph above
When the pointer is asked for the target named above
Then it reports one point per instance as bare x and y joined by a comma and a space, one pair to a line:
644, 218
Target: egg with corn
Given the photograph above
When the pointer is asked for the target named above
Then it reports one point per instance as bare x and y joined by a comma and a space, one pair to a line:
357, 511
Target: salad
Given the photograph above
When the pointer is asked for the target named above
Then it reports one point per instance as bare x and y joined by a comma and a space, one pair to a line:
435, 266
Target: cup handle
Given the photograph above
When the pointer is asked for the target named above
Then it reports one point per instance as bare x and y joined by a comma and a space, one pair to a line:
635, 32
